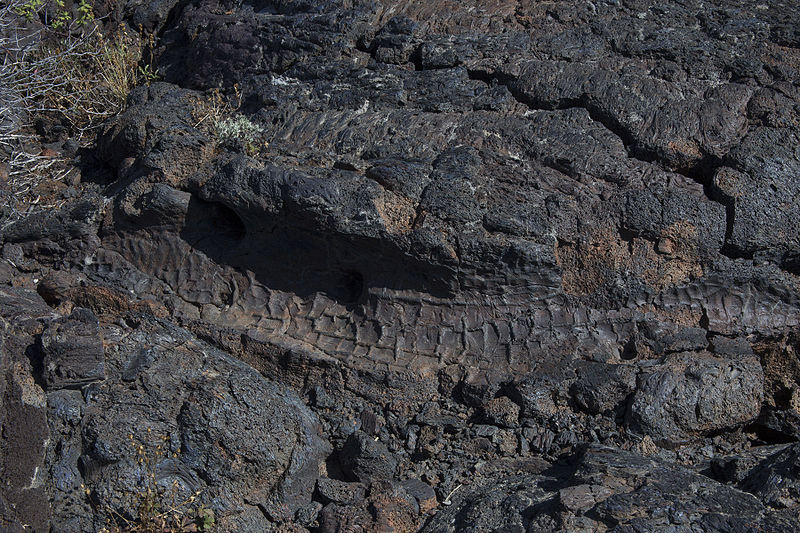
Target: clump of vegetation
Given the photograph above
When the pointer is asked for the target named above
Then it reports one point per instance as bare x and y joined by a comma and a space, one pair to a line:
159, 509
238, 128
219, 116
61, 66
59, 61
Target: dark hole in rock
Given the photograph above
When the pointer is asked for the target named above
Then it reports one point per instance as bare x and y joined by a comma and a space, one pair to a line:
228, 222
206, 220
782, 397
791, 263
334, 468
767, 435
282, 255
629, 350
35, 355
350, 287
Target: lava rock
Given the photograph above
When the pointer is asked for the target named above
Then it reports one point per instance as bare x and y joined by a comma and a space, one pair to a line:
340, 492
388, 508
156, 133
477, 388
537, 395
366, 459
430, 210
24, 430
199, 419
607, 485
72, 350
694, 393
783, 423
731, 347
758, 189
776, 480
422, 493
602, 387
429, 442
501, 412
735, 468
149, 16
307, 514
666, 337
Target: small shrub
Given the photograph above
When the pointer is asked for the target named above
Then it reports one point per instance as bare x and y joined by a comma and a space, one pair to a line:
28, 9
218, 116
63, 16
160, 510
57, 63
209, 111
238, 128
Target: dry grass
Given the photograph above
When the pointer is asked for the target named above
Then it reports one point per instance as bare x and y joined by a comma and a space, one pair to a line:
215, 107
159, 509
27, 173
77, 77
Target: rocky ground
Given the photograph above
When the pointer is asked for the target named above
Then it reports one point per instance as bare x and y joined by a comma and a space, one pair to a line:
421, 266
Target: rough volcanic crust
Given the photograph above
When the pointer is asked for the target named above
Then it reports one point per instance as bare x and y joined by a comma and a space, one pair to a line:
549, 244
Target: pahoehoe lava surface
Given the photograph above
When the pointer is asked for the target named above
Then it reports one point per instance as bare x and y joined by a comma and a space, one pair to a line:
483, 265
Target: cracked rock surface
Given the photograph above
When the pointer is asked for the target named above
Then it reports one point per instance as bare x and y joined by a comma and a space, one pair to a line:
472, 266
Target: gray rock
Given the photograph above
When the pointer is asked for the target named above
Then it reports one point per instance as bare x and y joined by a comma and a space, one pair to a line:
170, 143
205, 422
502, 412
24, 431
307, 514
669, 495
365, 458
607, 486
149, 16
776, 479
667, 337
388, 507
758, 189
341, 492
65, 413
695, 393
538, 395
72, 351
731, 347
422, 493
601, 387
443, 207
784, 423
735, 468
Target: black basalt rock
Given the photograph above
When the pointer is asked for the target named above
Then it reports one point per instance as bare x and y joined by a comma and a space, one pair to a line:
525, 266
72, 351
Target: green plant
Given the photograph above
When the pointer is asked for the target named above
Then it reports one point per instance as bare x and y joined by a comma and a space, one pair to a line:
84, 77
148, 75
218, 115
85, 12
28, 9
118, 63
63, 15
209, 111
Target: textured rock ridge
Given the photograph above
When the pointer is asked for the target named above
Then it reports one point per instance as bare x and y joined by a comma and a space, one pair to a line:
460, 267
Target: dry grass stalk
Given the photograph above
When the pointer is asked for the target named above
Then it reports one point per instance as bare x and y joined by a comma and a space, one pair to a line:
76, 76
